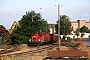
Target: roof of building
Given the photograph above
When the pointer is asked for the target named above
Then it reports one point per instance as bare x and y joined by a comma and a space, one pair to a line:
74, 22
68, 53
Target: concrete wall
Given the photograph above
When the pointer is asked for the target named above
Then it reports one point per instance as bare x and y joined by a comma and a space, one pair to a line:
86, 35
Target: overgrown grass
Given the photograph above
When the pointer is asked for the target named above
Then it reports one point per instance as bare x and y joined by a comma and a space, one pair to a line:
2, 46
22, 57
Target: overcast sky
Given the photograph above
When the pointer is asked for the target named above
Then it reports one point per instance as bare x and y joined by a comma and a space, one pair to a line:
11, 10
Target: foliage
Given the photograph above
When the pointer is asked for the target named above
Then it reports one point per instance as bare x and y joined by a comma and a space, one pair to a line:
77, 32
65, 25
82, 34
88, 31
30, 23
2, 46
84, 29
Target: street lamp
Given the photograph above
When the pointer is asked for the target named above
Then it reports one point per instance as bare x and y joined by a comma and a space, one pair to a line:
41, 12
58, 26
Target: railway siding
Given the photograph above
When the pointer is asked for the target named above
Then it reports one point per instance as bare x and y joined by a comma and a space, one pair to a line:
27, 51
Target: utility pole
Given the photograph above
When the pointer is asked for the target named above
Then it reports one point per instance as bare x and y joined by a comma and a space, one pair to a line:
59, 26
46, 25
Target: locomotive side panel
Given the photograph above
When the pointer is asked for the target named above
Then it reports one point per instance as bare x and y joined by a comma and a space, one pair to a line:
47, 38
43, 38
54, 38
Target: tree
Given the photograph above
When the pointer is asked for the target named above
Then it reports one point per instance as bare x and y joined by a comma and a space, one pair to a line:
84, 29
89, 32
65, 25
30, 23
77, 32
82, 34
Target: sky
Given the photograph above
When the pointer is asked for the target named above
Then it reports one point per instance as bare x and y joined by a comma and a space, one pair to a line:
12, 10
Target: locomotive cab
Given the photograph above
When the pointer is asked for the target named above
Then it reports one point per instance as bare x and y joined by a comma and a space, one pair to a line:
36, 39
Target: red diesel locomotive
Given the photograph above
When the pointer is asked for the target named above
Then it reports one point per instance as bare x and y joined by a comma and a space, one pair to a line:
41, 38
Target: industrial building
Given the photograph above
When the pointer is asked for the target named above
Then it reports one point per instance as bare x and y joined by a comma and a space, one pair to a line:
75, 25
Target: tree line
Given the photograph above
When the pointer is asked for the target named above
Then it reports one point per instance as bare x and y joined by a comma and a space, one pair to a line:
32, 22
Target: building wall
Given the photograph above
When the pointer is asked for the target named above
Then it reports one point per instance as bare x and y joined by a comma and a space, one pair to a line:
79, 24
88, 25
74, 25
52, 28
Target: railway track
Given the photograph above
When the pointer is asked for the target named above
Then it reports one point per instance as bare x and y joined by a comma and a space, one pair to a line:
31, 51
70, 45
43, 49
8, 50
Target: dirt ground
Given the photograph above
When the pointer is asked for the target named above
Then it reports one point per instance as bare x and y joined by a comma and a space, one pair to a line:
84, 47
27, 56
